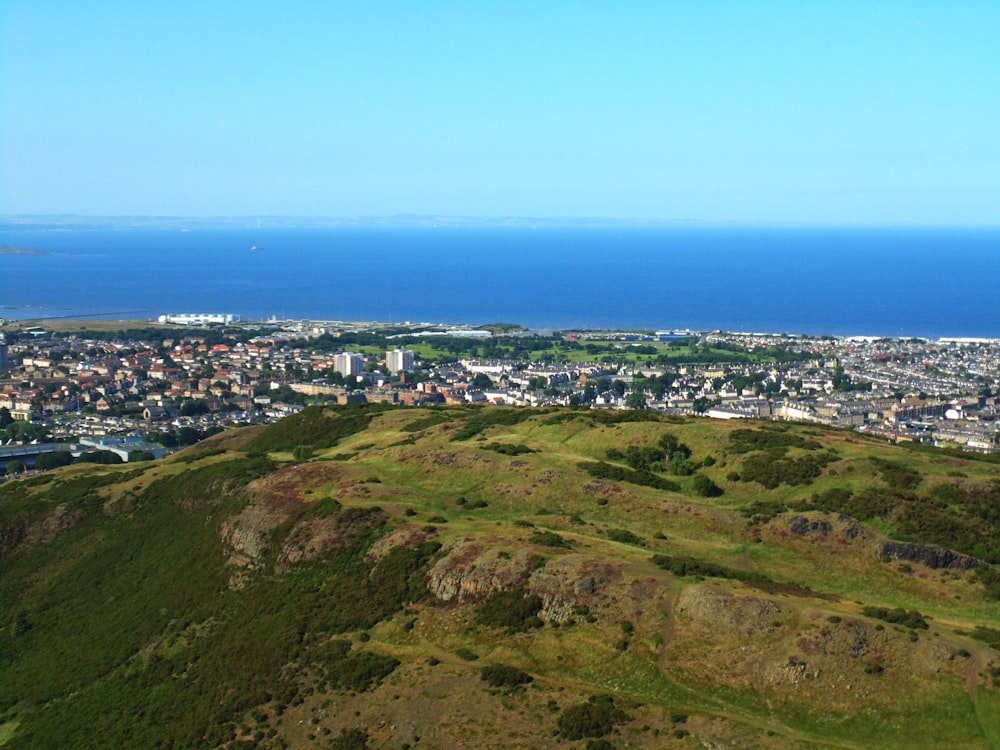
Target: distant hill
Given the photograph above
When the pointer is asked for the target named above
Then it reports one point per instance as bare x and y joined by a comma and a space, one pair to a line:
380, 577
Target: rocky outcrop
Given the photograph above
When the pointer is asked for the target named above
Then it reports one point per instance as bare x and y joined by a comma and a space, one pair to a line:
802, 526
248, 536
474, 569
932, 555
820, 524
567, 582
718, 609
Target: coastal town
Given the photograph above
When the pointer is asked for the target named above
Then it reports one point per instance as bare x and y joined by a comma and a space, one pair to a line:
145, 389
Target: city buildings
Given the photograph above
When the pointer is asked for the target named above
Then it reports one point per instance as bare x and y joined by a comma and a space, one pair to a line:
399, 360
348, 363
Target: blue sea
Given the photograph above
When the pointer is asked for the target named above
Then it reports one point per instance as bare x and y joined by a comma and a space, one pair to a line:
886, 282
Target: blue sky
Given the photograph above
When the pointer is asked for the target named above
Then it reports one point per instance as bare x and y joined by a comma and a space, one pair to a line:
818, 112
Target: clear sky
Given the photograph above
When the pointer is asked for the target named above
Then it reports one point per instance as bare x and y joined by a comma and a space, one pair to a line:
836, 112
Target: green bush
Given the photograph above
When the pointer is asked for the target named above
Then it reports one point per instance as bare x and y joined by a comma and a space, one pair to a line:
602, 470
500, 676
771, 439
549, 539
511, 608
354, 739
770, 469
508, 449
705, 487
595, 718
688, 566
909, 619
318, 426
302, 452
624, 536
359, 671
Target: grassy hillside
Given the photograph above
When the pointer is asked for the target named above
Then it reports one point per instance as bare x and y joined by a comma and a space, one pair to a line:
451, 578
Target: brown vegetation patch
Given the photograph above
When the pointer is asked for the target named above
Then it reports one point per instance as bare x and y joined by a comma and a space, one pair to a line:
408, 535
721, 609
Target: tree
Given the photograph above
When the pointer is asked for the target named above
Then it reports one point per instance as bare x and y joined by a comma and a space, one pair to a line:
482, 381
99, 457
5, 417
188, 436
48, 461
135, 456
636, 400
15, 467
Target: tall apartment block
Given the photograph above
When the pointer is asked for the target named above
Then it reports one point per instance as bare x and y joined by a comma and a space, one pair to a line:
399, 360
349, 363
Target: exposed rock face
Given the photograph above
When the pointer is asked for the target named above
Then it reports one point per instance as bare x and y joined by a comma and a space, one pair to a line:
248, 536
820, 524
852, 527
569, 581
931, 555
474, 569
722, 610
802, 526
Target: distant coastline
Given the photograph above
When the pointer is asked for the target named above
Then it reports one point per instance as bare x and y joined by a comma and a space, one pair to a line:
8, 250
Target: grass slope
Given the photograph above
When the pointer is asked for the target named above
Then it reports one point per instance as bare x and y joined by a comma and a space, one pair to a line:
465, 577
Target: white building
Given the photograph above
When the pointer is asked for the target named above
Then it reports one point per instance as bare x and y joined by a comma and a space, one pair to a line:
348, 363
399, 360
199, 319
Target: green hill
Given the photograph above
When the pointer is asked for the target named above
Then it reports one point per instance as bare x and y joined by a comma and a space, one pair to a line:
452, 578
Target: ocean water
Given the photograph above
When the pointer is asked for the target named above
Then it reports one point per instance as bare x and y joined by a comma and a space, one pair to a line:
887, 282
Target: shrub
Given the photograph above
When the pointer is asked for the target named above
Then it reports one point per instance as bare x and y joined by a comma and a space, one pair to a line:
320, 427
776, 440
989, 636
705, 487
910, 619
359, 671
595, 718
549, 539
355, 739
511, 608
508, 449
770, 469
623, 536
500, 676
688, 566
645, 478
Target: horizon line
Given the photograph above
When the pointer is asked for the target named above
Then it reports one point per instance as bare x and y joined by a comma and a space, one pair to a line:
446, 220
